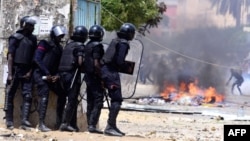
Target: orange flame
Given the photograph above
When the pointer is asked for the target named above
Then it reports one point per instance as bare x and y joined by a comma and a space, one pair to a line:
211, 94
192, 90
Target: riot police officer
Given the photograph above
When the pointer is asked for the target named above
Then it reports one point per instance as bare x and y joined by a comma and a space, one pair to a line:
113, 61
70, 72
93, 53
46, 76
22, 45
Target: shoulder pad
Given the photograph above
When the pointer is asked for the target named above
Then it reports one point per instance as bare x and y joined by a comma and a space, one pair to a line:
51, 43
93, 44
79, 44
48, 44
18, 36
123, 41
45, 41
74, 45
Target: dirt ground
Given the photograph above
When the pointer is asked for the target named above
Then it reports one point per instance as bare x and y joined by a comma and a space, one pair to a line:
140, 126
194, 123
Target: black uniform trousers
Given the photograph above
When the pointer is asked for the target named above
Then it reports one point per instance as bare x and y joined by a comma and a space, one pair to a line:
43, 89
26, 90
95, 95
71, 87
111, 78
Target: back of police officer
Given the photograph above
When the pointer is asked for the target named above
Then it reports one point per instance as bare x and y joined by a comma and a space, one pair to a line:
70, 72
22, 45
46, 76
113, 61
93, 53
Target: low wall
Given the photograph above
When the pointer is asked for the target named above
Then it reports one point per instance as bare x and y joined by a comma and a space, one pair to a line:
51, 111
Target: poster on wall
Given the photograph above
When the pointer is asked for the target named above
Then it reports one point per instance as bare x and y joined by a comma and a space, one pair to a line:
46, 23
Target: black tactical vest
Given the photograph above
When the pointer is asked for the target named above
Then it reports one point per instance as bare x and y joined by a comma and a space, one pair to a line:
68, 60
111, 51
89, 66
52, 57
25, 50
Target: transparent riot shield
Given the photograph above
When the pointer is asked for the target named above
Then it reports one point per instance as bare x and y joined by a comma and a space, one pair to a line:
128, 81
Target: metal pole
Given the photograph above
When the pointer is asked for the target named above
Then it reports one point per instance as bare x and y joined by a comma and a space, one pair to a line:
106, 97
72, 82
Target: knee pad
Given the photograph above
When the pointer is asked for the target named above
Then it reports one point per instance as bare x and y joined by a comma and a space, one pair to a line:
27, 97
44, 98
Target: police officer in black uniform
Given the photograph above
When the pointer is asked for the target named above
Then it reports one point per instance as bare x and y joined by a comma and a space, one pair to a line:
113, 61
46, 76
70, 72
93, 53
22, 45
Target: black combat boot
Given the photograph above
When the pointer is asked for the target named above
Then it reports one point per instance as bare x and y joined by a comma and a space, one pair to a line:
67, 127
9, 117
111, 131
73, 121
93, 129
58, 122
25, 124
9, 125
93, 119
111, 128
67, 116
42, 113
42, 127
61, 101
119, 131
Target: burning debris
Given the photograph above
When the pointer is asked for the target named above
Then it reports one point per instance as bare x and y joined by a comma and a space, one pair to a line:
184, 100
187, 94
190, 94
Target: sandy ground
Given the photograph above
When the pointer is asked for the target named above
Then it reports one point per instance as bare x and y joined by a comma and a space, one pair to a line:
141, 126
194, 123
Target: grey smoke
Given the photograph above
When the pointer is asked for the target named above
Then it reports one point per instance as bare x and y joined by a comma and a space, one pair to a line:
205, 53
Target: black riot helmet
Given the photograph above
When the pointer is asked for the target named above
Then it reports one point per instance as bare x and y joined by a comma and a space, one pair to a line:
127, 31
80, 34
27, 20
96, 32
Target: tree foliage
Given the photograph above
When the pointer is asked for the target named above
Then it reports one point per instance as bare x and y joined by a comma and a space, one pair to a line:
144, 14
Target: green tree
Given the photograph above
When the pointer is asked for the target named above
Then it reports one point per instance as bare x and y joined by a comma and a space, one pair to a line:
234, 7
144, 14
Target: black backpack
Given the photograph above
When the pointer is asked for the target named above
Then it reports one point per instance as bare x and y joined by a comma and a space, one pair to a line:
89, 66
111, 50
